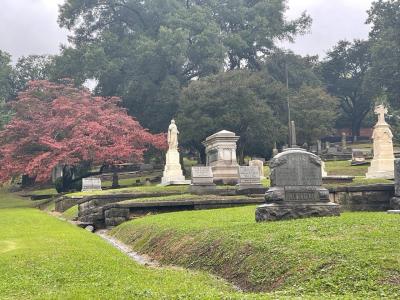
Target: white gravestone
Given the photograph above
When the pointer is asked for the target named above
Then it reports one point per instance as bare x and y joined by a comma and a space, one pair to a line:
91, 184
382, 165
259, 164
202, 176
249, 177
173, 171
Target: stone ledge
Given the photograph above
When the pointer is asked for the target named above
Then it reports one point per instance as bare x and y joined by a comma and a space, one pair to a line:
287, 211
364, 188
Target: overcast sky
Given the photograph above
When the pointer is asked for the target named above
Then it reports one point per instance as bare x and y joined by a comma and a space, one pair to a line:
30, 26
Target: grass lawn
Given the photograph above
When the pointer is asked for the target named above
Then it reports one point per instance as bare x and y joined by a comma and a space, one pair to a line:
71, 213
345, 168
355, 255
42, 257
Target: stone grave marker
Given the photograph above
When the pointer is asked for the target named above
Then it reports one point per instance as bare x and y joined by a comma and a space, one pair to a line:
296, 188
202, 180
91, 184
249, 177
259, 164
358, 158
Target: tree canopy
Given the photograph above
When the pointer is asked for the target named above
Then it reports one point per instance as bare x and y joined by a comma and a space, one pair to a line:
146, 51
384, 17
57, 124
345, 72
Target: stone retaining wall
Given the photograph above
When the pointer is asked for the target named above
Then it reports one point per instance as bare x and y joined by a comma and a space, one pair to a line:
363, 198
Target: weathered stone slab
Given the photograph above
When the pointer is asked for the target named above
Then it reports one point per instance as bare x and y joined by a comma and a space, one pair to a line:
249, 177
259, 164
91, 184
202, 176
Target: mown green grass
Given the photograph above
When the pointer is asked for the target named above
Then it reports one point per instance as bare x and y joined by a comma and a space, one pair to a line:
341, 167
42, 257
351, 256
71, 213
137, 189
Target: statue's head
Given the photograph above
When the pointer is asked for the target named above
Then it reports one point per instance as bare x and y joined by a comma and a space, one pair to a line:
172, 121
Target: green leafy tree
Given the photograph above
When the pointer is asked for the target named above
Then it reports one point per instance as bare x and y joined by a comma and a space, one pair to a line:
146, 51
384, 17
32, 67
235, 101
6, 76
344, 72
7, 89
315, 113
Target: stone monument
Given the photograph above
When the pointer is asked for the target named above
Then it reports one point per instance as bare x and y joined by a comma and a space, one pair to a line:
275, 151
382, 165
344, 141
249, 178
221, 156
293, 139
260, 165
296, 188
202, 180
173, 171
91, 184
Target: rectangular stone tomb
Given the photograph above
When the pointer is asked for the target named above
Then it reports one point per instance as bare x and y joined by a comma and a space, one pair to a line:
296, 188
91, 184
249, 177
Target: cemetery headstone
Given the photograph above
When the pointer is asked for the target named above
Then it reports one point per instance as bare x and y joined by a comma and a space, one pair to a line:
91, 184
344, 141
259, 164
382, 165
221, 156
357, 157
296, 188
249, 177
202, 180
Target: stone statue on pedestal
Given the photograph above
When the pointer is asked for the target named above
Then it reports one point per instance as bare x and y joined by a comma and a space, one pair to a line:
173, 171
173, 136
382, 165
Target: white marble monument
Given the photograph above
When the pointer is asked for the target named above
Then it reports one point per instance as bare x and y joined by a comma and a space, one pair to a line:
382, 165
221, 156
173, 171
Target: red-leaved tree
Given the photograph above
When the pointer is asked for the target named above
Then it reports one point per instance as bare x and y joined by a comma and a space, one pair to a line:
58, 124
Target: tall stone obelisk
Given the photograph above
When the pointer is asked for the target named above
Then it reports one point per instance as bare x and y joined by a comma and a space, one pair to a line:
382, 165
173, 171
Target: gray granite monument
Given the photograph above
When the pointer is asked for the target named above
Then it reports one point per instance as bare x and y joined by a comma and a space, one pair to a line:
296, 188
221, 156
